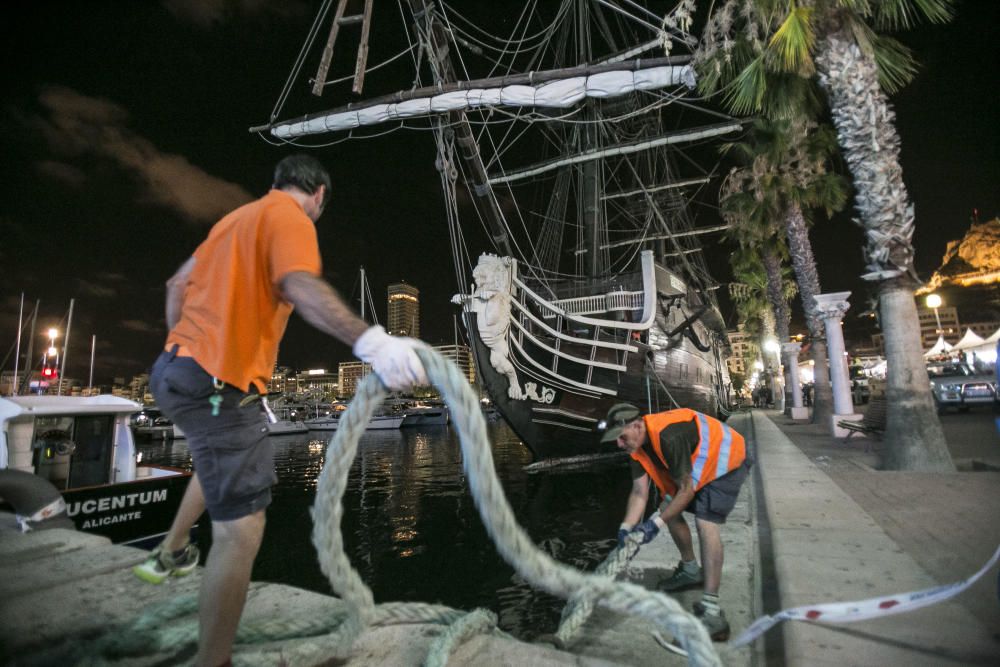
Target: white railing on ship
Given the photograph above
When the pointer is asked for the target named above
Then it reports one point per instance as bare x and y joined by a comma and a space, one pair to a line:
601, 303
648, 301
620, 300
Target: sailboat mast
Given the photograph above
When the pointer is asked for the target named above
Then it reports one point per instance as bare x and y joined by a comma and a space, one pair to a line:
31, 346
17, 353
62, 368
364, 293
93, 348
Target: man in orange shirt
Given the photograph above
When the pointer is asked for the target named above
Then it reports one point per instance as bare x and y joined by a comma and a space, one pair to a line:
697, 462
227, 308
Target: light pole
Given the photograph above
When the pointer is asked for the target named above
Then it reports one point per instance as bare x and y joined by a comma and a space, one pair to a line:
51, 355
934, 301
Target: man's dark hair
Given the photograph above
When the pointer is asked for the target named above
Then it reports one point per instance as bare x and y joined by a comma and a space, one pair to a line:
303, 172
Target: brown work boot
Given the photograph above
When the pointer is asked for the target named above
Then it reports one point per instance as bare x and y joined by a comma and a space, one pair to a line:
716, 624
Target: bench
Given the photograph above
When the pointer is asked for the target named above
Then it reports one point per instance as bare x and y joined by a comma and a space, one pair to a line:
873, 421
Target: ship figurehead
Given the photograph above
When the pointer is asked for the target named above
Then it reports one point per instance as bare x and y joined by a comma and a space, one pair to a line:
490, 301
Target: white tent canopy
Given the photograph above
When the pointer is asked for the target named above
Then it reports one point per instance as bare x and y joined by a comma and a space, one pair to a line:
940, 347
969, 340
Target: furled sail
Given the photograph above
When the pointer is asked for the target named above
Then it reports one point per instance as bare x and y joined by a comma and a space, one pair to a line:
557, 94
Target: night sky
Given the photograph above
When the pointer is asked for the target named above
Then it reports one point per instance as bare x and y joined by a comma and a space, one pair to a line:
125, 137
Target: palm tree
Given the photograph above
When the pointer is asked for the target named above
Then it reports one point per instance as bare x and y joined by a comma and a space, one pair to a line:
786, 174
763, 291
837, 42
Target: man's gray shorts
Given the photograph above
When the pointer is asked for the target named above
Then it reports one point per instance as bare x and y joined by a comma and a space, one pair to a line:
233, 458
714, 501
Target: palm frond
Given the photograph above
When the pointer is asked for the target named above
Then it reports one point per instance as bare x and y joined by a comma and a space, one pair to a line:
896, 64
793, 42
903, 14
747, 93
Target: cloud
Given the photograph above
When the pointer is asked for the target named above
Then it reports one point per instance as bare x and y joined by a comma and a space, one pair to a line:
208, 13
80, 126
141, 326
96, 289
61, 171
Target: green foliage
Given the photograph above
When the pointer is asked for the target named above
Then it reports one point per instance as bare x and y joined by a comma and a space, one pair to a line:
759, 53
793, 42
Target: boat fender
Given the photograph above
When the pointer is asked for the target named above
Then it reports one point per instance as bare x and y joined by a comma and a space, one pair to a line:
36, 502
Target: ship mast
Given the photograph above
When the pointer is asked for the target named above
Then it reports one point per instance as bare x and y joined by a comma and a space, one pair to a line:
591, 212
434, 40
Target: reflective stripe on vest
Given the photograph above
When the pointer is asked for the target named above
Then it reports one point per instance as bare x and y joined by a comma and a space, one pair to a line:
720, 449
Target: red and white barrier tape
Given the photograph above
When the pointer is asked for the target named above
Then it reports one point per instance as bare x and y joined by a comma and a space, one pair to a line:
848, 612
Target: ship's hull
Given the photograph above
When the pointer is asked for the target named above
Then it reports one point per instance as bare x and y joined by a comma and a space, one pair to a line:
562, 423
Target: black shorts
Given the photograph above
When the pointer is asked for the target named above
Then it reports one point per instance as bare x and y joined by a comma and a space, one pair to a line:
714, 501
232, 455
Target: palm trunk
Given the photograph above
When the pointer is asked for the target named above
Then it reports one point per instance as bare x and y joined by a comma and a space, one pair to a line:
775, 295
807, 277
914, 438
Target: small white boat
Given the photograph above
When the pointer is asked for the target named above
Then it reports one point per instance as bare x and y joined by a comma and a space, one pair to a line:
427, 415
83, 449
378, 422
286, 427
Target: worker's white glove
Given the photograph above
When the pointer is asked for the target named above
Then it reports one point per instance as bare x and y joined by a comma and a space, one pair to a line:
393, 358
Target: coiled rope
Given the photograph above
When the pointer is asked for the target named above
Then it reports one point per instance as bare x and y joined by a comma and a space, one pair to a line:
161, 627
512, 542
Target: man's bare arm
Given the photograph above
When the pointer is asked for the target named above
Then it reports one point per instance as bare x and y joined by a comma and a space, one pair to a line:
320, 305
638, 496
175, 292
683, 497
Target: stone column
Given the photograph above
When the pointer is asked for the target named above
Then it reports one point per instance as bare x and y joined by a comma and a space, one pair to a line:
831, 308
790, 352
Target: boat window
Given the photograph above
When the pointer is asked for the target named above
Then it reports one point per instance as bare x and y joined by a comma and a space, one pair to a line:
53, 446
91, 463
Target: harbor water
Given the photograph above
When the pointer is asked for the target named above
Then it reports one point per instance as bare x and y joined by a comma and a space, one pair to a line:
411, 527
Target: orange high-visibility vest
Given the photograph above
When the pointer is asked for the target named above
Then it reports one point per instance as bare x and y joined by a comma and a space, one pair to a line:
720, 449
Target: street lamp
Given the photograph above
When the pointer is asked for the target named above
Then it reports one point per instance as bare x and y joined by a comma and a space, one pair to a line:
934, 301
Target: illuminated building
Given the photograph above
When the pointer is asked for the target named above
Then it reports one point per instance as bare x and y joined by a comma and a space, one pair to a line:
350, 373
404, 310
461, 355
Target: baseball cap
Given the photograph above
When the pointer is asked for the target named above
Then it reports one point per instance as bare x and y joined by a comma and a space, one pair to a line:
619, 416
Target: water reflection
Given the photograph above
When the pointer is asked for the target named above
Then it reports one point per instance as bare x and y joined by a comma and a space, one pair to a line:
411, 527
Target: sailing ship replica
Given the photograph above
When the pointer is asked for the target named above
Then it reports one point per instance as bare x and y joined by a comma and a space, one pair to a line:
595, 289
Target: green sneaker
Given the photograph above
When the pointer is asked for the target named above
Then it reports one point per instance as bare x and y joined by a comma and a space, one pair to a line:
716, 624
682, 580
162, 564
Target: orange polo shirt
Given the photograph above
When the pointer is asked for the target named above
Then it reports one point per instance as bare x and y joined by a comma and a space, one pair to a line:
233, 316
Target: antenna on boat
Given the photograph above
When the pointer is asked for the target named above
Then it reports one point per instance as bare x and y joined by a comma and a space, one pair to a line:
62, 368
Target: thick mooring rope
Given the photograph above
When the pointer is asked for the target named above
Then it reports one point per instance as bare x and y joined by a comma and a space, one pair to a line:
170, 626
511, 540
581, 605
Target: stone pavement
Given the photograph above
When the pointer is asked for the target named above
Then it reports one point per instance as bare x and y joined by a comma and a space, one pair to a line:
836, 528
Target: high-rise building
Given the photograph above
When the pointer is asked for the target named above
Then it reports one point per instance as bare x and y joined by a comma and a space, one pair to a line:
404, 310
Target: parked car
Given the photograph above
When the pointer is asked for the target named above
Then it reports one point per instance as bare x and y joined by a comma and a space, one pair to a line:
955, 384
